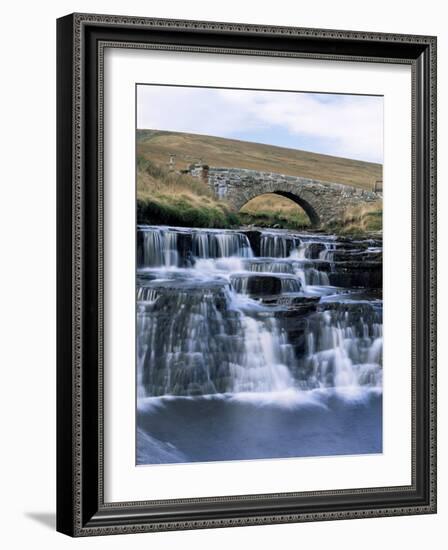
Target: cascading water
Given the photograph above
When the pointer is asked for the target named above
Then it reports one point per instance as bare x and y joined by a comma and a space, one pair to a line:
175, 247
208, 345
159, 248
256, 344
274, 245
208, 244
215, 318
343, 348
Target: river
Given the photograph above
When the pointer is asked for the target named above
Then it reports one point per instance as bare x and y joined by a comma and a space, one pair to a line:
257, 344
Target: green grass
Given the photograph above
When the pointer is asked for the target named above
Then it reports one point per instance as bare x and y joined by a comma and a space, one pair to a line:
168, 198
178, 211
171, 198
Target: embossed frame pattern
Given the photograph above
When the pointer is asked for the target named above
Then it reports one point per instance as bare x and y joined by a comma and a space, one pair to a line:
81, 510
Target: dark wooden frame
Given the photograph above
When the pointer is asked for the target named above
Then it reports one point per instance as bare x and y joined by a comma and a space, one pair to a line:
81, 510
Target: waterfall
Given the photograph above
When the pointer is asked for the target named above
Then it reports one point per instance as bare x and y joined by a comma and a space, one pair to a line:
215, 318
262, 365
177, 247
343, 349
208, 345
277, 246
309, 275
310, 258
315, 277
160, 248
220, 245
291, 284
269, 266
146, 294
328, 252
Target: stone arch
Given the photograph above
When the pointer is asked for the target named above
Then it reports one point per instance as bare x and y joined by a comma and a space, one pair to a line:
306, 205
323, 202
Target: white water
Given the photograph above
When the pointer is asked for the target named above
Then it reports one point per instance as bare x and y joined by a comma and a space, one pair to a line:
201, 331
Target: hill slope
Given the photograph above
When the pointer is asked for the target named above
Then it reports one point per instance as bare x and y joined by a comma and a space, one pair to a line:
157, 146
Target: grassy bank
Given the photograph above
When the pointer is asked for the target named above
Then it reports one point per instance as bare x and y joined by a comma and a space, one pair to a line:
360, 220
168, 198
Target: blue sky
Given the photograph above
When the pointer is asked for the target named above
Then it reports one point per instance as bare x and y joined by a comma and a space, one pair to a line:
342, 125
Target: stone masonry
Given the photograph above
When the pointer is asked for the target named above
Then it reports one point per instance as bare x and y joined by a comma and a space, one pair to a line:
322, 201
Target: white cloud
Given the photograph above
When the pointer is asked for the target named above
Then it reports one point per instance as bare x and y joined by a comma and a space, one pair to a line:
196, 110
342, 125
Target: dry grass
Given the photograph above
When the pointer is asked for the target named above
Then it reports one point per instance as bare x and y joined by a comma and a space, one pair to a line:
190, 148
177, 199
272, 210
269, 201
155, 180
173, 198
362, 219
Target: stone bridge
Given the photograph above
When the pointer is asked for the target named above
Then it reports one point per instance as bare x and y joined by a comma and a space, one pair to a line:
322, 201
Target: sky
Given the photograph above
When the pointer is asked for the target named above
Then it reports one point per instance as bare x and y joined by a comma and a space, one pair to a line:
334, 124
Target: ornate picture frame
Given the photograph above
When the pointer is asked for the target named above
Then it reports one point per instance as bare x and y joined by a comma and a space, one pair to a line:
81, 506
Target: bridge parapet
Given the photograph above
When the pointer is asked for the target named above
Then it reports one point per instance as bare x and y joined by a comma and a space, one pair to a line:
322, 201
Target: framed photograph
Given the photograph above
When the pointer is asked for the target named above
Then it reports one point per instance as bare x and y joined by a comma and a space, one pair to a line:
246, 274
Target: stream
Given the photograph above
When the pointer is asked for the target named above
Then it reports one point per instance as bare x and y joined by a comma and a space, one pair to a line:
257, 344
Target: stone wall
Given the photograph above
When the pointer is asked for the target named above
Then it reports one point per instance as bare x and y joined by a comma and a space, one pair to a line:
322, 201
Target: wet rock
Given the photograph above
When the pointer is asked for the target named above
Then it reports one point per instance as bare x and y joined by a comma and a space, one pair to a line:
293, 305
254, 238
320, 265
356, 255
345, 244
184, 249
314, 249
295, 322
139, 244
257, 285
357, 275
